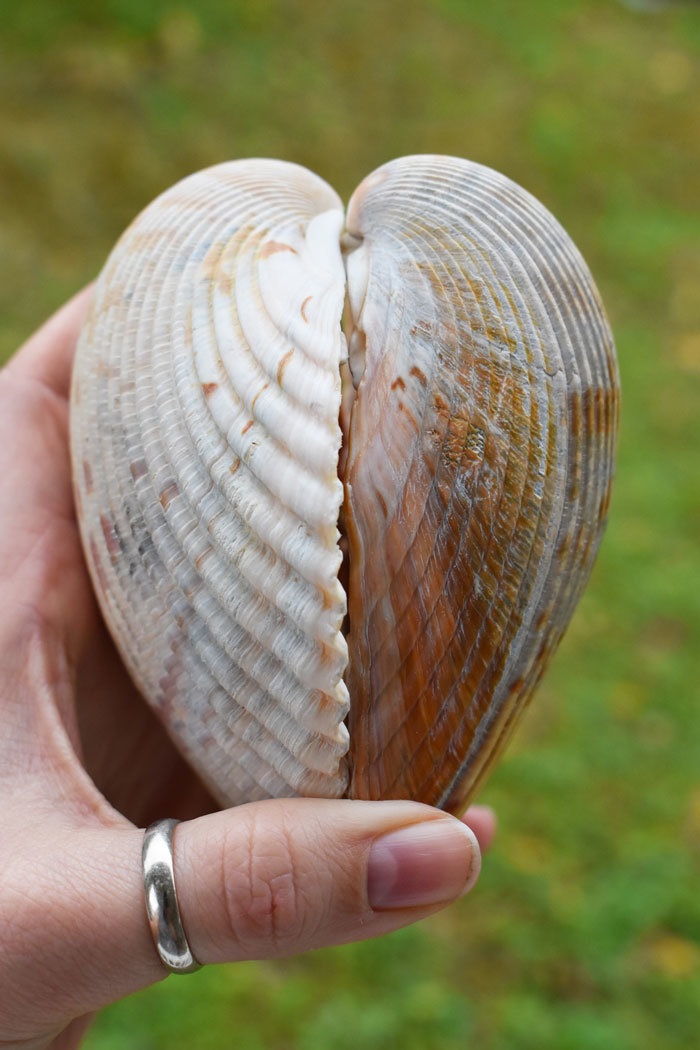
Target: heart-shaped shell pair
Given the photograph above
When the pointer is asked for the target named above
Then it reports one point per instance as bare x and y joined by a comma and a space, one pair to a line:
478, 410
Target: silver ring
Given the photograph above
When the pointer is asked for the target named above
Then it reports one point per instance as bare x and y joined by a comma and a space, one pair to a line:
162, 907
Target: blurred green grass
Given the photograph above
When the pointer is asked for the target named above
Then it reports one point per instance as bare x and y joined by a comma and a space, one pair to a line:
584, 932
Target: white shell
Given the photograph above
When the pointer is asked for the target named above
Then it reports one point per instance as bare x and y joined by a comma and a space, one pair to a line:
209, 391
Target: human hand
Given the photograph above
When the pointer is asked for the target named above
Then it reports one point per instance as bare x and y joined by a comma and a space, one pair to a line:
263, 880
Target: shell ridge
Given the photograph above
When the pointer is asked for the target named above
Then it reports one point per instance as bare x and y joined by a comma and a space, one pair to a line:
537, 584
581, 343
226, 604
184, 565
414, 527
445, 517
108, 297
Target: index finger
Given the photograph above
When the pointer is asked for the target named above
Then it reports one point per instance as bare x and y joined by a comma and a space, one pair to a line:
47, 356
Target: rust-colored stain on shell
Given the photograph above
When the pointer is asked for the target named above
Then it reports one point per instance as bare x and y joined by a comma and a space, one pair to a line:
284, 361
264, 387
168, 494
96, 564
110, 536
272, 247
199, 561
138, 469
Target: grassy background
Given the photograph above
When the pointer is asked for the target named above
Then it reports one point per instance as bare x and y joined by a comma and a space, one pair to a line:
584, 933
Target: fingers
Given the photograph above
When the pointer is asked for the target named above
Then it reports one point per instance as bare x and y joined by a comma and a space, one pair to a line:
267, 879
47, 355
42, 576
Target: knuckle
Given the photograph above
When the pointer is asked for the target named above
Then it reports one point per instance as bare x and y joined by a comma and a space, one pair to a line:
266, 907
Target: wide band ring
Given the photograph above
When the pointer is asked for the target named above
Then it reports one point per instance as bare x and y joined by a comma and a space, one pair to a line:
162, 905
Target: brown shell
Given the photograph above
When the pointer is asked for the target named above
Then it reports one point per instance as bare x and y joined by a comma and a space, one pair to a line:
479, 469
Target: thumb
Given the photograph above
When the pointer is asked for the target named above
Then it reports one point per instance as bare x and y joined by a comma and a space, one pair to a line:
262, 880
287, 876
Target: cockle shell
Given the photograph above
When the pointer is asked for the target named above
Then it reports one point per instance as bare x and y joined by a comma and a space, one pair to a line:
475, 382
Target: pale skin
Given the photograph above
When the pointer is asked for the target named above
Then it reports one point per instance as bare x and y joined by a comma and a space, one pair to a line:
84, 766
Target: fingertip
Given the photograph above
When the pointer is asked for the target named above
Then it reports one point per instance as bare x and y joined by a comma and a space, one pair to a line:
482, 821
423, 865
475, 866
